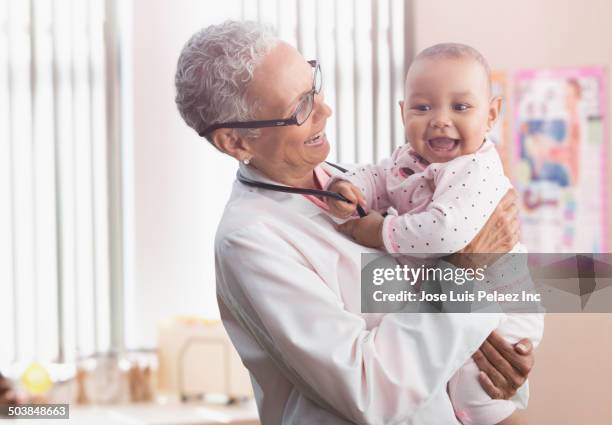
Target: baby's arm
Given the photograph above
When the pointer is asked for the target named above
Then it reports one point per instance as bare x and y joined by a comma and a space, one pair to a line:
371, 182
467, 190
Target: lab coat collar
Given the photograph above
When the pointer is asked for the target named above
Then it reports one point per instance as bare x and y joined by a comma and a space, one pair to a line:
295, 202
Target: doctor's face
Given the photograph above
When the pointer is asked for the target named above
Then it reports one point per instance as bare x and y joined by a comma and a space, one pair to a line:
287, 154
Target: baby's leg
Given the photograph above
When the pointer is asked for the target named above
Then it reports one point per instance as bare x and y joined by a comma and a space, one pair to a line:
472, 404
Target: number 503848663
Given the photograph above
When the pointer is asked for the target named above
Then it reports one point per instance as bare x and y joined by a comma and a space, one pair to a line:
41, 411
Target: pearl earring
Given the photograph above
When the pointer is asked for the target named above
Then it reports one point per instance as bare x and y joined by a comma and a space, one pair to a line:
246, 161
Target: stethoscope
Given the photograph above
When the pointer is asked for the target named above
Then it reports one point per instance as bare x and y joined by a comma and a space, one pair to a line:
301, 191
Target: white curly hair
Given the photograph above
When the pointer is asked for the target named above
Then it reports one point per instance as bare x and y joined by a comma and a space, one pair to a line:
214, 70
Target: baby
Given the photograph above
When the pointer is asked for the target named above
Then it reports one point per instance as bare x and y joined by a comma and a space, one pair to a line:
444, 184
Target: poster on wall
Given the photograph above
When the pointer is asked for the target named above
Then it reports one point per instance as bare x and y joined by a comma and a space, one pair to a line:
560, 125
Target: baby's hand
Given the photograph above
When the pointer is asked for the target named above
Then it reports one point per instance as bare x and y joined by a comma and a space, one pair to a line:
343, 209
366, 230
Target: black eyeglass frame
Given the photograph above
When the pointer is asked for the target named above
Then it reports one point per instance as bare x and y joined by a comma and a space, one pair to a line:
281, 122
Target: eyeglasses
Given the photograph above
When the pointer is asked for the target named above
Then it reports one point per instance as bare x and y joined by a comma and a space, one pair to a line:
299, 116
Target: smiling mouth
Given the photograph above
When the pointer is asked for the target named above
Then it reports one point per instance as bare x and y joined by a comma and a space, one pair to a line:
318, 139
443, 144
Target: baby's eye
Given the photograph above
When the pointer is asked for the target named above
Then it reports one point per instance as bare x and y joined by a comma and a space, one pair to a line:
460, 106
422, 108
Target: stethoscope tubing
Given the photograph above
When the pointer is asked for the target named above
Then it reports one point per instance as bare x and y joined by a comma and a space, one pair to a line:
301, 191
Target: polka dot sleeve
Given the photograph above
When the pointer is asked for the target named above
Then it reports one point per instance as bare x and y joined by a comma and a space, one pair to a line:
371, 180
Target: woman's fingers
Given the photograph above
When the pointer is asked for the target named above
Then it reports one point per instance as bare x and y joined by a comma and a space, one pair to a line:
489, 387
509, 199
515, 226
507, 208
506, 231
501, 231
499, 384
511, 213
506, 366
507, 216
510, 376
524, 346
519, 356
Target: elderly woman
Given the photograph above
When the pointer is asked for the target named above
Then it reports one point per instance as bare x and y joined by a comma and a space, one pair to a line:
288, 281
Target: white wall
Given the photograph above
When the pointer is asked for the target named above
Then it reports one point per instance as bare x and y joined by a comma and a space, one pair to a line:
180, 182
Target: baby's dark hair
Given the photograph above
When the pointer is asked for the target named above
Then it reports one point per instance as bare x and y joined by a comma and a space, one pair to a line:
455, 51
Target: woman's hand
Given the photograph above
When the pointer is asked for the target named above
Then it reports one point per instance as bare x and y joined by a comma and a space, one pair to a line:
501, 232
497, 237
504, 367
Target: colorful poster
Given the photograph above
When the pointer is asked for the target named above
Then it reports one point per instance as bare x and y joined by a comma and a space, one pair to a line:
560, 124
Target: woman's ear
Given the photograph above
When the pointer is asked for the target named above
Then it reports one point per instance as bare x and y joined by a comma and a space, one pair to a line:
228, 141
494, 111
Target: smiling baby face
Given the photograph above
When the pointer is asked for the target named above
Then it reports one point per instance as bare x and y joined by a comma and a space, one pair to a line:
448, 108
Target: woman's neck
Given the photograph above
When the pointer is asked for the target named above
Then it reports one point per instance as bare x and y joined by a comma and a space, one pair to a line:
305, 179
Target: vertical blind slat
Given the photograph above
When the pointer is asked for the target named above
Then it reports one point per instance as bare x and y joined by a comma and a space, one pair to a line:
396, 41
91, 163
45, 243
287, 21
250, 11
120, 277
82, 183
99, 175
375, 79
74, 124
326, 54
55, 71
307, 28
63, 59
7, 305
362, 47
382, 85
345, 104
22, 176
33, 157
268, 12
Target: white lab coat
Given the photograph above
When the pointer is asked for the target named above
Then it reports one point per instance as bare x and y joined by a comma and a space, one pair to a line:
288, 287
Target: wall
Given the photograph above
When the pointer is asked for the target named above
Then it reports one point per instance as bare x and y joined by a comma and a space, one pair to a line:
572, 380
